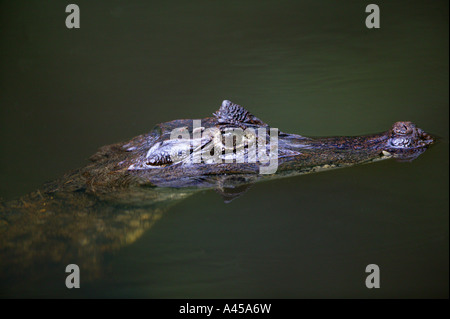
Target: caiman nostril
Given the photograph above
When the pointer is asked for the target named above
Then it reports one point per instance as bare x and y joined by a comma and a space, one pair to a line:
405, 128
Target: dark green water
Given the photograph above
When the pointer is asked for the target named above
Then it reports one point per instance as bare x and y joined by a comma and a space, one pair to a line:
306, 67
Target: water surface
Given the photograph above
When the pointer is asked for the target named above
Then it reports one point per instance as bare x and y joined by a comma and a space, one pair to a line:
306, 67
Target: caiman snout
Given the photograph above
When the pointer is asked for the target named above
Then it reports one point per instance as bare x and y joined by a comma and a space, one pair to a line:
407, 141
407, 135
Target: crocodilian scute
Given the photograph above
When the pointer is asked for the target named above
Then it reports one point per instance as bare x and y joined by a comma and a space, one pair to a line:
231, 113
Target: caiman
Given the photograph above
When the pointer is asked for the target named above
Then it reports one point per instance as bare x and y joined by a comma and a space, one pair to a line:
126, 186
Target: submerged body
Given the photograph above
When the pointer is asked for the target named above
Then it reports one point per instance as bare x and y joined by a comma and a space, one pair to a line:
127, 186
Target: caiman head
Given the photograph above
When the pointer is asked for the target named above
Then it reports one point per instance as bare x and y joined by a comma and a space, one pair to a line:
178, 153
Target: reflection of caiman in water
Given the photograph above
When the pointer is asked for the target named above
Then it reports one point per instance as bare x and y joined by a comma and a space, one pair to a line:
126, 187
